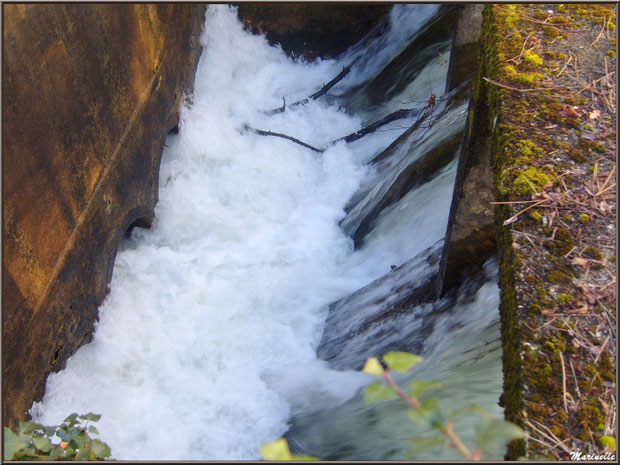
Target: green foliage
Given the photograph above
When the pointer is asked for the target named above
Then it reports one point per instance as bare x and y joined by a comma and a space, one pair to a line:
490, 431
36, 442
401, 362
378, 392
279, 450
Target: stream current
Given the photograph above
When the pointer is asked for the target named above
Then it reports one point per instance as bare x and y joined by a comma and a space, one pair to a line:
206, 345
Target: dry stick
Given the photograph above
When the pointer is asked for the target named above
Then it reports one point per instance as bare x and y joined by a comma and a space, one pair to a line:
602, 349
283, 136
600, 34
551, 434
499, 84
613, 170
319, 93
565, 65
564, 382
447, 430
575, 378
515, 216
400, 114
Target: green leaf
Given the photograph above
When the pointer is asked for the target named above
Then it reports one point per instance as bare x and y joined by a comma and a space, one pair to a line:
72, 419
377, 392
49, 431
276, 450
92, 429
401, 362
497, 431
56, 453
417, 388
429, 414
12, 444
81, 439
70, 452
101, 449
84, 454
42, 443
373, 367
26, 427
66, 434
91, 416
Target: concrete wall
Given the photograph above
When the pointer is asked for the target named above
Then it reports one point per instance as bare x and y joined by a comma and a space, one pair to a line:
90, 91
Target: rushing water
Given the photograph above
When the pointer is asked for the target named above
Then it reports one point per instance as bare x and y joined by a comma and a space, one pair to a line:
206, 346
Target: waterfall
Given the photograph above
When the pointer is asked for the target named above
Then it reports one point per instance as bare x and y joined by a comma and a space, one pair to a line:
206, 345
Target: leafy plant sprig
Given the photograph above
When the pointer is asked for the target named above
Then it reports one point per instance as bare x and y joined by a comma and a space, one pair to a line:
34, 441
429, 412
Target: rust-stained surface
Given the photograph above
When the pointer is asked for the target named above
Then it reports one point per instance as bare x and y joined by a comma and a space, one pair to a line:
89, 93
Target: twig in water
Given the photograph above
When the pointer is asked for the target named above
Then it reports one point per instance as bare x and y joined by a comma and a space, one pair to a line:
260, 132
318, 93
400, 114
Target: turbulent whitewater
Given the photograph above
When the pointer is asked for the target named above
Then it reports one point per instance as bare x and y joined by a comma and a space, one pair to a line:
206, 345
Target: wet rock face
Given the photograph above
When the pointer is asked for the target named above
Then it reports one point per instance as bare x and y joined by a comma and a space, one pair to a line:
312, 30
90, 92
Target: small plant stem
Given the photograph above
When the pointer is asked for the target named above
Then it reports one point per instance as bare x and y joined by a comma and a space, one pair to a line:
414, 403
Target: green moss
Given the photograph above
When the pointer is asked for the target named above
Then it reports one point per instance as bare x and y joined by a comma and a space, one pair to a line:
561, 244
591, 145
532, 58
593, 252
611, 53
551, 32
529, 148
584, 218
607, 442
530, 181
529, 78
556, 276
562, 56
565, 298
535, 215
576, 155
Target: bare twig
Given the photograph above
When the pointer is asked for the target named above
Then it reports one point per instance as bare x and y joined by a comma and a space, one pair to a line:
260, 132
575, 378
317, 94
563, 382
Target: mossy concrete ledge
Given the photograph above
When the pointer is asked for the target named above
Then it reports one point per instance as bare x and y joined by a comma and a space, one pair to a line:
555, 386
89, 94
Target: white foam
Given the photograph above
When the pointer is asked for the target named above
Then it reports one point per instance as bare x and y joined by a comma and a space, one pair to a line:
234, 278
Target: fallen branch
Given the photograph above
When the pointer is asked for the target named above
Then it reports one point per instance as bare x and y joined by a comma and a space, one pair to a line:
283, 136
317, 94
400, 114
